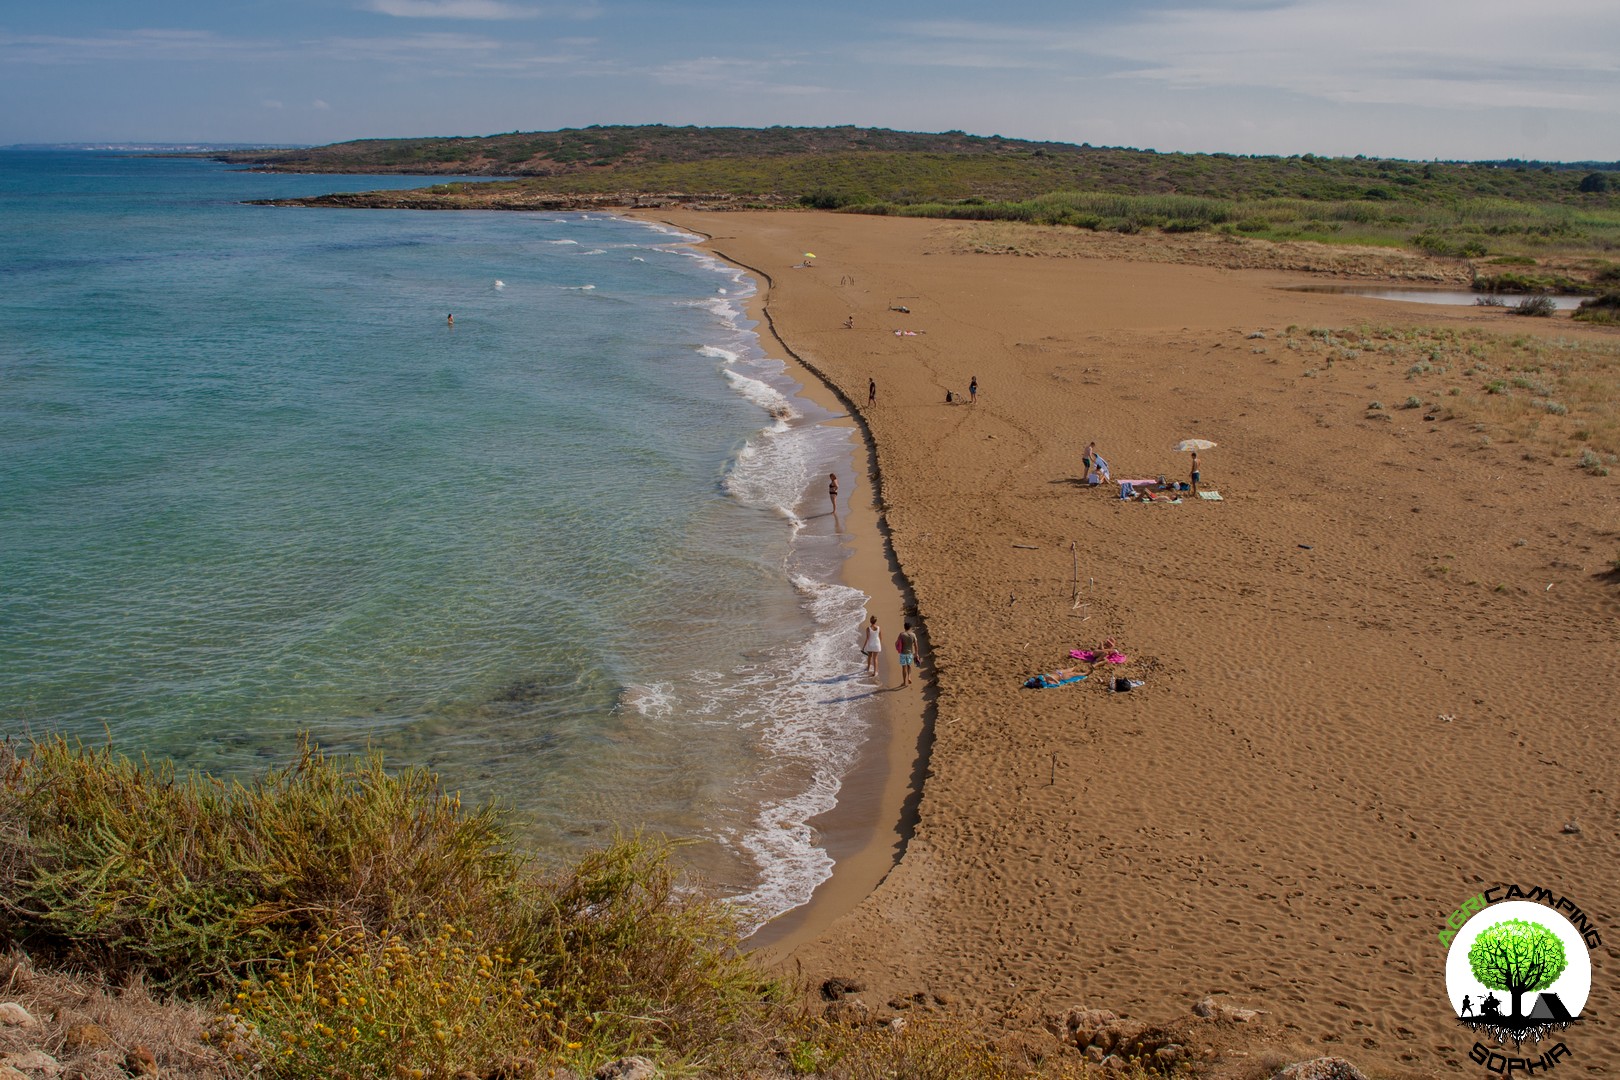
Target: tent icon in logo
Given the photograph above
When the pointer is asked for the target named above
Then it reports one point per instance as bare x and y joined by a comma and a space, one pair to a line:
1550, 1010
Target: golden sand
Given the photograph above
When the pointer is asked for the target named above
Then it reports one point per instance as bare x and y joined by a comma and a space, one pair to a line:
1380, 675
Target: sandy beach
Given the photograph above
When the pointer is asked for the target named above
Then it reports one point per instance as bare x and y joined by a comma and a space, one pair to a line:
1377, 677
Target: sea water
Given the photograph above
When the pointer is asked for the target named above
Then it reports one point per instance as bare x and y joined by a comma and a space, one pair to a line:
570, 551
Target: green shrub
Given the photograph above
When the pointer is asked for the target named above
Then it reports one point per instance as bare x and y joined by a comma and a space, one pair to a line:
126, 865
1539, 306
1602, 309
359, 907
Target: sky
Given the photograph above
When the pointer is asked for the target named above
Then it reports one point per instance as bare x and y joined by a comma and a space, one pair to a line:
1416, 79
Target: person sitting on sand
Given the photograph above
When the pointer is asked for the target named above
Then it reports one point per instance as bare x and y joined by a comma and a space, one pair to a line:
1099, 471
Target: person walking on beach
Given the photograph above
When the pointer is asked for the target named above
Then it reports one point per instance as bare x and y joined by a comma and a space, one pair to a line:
871, 645
973, 391
871, 392
907, 646
832, 491
1195, 473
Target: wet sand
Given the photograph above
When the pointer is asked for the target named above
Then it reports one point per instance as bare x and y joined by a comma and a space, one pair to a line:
1378, 676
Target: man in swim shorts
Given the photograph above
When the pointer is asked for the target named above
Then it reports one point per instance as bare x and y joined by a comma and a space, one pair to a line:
908, 653
1195, 473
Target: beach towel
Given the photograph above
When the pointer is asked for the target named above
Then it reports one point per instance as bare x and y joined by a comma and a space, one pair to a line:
1212, 496
1085, 655
1046, 682
1127, 490
1089, 656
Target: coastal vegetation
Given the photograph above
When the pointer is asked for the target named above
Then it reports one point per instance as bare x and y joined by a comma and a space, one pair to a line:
1558, 395
1510, 215
332, 918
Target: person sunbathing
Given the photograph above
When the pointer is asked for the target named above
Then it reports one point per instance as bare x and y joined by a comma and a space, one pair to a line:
1054, 678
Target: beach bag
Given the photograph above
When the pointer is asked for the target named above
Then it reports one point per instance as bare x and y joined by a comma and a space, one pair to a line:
1121, 684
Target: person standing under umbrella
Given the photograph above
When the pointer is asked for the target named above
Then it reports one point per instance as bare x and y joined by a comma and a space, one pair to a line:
1195, 474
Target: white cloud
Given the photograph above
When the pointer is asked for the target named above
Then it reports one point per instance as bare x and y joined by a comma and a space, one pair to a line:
272, 103
320, 106
477, 9
731, 75
1446, 53
124, 45
412, 48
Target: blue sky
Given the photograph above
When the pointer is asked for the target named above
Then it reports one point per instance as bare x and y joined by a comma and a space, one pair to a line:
1397, 78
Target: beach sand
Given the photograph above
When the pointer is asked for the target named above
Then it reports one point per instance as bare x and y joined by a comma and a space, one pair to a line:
1379, 675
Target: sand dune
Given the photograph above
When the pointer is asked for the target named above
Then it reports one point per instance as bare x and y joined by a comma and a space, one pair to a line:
1362, 701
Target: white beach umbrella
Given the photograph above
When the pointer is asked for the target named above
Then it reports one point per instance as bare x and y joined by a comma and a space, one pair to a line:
1193, 444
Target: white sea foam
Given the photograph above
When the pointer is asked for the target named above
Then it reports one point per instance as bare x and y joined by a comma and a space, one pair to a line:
499, 284
670, 230
814, 719
595, 251
765, 396
575, 242
723, 355
576, 288
653, 700
637, 258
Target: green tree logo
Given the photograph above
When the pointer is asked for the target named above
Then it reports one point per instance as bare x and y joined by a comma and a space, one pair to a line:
1517, 956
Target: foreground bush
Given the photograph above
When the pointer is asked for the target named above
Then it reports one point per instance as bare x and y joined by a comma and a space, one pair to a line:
1602, 309
340, 921
359, 923
124, 866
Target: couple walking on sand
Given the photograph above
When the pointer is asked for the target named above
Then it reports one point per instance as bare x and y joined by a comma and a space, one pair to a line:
906, 645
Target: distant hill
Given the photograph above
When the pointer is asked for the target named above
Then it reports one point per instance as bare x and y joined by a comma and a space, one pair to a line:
1521, 210
839, 166
619, 147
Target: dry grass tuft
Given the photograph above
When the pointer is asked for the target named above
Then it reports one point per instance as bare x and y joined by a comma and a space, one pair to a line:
89, 1026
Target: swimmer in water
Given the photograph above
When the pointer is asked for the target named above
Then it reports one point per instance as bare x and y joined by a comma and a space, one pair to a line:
450, 320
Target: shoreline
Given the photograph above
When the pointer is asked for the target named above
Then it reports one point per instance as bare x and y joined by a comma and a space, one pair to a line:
1331, 657
866, 830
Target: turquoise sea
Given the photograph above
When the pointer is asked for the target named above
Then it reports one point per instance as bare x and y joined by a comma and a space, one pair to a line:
571, 552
